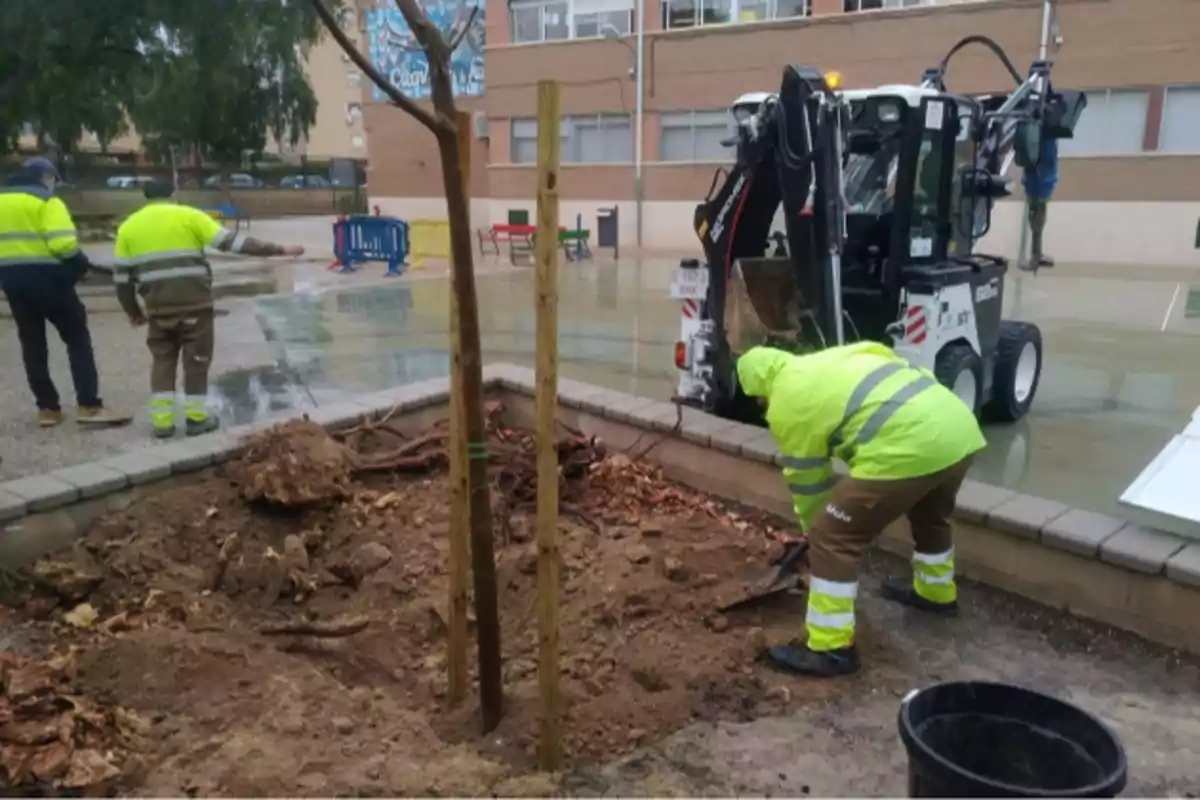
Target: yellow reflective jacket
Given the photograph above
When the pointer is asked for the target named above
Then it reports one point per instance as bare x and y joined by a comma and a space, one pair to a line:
860, 403
160, 250
35, 227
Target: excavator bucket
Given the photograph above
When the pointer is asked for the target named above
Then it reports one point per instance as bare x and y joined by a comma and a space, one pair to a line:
764, 306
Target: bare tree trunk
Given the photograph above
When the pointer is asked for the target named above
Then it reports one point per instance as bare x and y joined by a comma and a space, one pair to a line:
443, 126
483, 559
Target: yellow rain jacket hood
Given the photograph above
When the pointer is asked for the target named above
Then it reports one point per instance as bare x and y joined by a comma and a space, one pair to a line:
860, 403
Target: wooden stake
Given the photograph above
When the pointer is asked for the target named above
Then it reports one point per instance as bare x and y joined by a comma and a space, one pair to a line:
546, 255
460, 575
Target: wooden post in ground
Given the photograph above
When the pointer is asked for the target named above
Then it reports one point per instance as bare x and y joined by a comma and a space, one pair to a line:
546, 255
460, 520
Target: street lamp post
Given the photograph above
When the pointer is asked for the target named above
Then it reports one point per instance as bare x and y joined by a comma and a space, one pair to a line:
639, 73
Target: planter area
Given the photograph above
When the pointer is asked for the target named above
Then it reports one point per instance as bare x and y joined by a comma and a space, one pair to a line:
263, 611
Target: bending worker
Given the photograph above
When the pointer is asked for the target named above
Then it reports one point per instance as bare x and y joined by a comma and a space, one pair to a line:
160, 255
908, 441
40, 263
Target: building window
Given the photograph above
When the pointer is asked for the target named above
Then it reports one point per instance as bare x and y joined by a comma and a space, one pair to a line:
1180, 131
586, 139
540, 21
690, 13
694, 136
523, 144
596, 23
851, 6
1113, 124
555, 20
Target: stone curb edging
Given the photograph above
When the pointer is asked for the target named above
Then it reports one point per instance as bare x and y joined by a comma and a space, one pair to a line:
1083, 533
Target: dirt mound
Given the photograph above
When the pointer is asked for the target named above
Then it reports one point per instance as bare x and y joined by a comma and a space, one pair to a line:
310, 638
293, 464
52, 739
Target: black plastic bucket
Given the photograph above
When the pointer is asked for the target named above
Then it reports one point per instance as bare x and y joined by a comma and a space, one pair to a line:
979, 739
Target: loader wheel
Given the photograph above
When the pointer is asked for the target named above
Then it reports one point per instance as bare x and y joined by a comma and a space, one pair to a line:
959, 369
1018, 371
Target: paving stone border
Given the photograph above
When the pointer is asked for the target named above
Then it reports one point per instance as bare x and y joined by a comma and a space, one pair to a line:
1097, 536
1119, 546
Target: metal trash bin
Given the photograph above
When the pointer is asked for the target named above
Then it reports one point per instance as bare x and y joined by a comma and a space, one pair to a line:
608, 229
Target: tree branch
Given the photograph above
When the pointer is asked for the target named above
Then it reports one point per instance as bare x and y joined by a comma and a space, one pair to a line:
437, 54
398, 98
462, 34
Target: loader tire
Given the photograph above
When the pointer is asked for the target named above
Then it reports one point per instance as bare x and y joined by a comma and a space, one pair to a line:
1017, 373
959, 369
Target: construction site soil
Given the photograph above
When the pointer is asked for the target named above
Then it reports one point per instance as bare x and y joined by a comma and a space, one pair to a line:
278, 625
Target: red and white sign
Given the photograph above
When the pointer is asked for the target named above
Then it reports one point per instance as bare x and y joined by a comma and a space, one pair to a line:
915, 329
691, 308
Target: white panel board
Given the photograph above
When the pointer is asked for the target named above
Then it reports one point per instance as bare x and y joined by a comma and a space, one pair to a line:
1168, 489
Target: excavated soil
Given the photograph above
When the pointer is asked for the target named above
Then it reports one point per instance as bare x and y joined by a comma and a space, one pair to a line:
278, 626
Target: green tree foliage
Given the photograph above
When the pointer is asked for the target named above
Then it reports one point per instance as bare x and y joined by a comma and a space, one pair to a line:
217, 78
63, 65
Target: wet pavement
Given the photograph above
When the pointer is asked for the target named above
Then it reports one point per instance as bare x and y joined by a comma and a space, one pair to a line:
1115, 386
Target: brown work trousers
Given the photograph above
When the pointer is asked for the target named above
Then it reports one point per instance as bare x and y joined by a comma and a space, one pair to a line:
858, 510
189, 336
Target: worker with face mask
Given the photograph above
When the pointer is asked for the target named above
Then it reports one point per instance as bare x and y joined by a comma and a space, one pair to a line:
40, 264
160, 255
908, 442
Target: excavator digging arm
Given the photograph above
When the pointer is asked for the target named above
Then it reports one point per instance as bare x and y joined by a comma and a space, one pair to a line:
790, 155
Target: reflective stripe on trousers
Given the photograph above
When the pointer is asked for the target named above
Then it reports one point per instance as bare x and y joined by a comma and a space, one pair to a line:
933, 576
162, 410
195, 407
830, 617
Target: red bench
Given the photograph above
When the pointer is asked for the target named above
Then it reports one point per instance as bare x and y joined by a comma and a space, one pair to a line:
520, 241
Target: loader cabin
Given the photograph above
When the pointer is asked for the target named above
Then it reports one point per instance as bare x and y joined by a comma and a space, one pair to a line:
906, 150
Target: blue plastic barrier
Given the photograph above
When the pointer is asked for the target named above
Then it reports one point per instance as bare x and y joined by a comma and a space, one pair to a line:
359, 239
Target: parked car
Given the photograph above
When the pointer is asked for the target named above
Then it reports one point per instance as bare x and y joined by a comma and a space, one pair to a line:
127, 181
237, 180
305, 182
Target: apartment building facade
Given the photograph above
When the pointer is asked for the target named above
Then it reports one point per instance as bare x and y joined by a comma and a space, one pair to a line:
1129, 189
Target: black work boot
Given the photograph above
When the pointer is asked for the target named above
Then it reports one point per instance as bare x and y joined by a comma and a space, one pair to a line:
797, 659
901, 590
207, 425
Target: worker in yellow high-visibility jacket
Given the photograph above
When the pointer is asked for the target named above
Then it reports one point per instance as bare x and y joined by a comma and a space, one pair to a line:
908, 442
40, 264
160, 256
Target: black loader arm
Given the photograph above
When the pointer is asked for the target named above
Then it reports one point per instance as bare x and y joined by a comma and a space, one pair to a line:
776, 159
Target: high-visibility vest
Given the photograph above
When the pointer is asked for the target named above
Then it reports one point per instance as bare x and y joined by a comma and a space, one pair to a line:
35, 227
160, 249
860, 403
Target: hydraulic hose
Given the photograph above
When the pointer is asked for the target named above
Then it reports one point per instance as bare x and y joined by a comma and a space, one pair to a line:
990, 44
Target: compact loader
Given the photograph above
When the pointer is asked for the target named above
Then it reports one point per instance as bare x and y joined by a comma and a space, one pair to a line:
882, 193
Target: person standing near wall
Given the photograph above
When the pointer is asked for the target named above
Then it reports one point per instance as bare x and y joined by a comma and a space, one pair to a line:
160, 255
40, 264
1039, 184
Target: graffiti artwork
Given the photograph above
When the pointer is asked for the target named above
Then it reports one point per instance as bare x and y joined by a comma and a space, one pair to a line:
395, 53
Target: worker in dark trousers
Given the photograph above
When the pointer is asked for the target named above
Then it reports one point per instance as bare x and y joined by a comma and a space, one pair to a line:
1039, 183
908, 442
40, 263
160, 256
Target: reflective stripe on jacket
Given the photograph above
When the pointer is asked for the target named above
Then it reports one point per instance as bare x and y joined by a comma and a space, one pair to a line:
860, 403
160, 248
35, 227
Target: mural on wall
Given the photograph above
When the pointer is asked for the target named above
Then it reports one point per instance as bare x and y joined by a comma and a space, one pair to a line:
394, 50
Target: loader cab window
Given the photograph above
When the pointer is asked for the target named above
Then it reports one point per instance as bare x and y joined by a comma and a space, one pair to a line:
929, 229
875, 136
